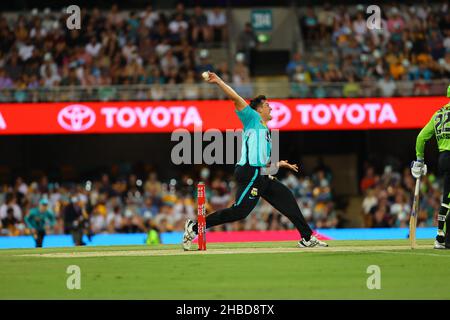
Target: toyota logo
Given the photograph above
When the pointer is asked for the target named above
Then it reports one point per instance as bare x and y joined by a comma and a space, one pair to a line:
76, 117
281, 115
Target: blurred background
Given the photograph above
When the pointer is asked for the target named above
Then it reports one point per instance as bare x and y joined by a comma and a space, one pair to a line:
154, 51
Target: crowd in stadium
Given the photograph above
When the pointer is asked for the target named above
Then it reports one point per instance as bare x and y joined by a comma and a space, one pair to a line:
113, 48
388, 197
413, 43
131, 204
118, 47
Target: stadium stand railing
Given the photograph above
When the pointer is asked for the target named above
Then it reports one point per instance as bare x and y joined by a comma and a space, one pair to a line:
207, 91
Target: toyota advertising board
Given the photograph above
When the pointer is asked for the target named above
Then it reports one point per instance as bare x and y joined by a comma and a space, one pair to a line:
166, 116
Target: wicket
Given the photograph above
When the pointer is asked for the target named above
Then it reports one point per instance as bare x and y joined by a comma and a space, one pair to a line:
201, 200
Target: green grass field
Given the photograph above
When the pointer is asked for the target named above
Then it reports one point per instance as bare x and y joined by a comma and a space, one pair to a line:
263, 270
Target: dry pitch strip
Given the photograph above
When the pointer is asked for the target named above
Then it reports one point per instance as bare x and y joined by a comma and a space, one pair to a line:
395, 249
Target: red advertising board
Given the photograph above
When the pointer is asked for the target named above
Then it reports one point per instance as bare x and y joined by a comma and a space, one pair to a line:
166, 116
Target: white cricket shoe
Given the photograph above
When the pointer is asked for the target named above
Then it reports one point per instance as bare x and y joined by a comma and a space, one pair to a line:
439, 244
189, 234
313, 242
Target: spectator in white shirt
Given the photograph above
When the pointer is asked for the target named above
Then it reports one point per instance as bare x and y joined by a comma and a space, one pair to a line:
48, 65
93, 47
115, 220
149, 17
447, 40
50, 79
162, 48
168, 62
26, 50
217, 21
10, 202
360, 27
115, 17
38, 31
178, 27
129, 50
98, 222
386, 86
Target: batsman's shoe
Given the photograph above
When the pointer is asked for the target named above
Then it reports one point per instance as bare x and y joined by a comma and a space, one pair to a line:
439, 243
189, 234
313, 242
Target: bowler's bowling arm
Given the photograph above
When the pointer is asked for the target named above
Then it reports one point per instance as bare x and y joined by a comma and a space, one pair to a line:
239, 102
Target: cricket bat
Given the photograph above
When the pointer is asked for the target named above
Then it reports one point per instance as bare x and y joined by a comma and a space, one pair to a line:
413, 218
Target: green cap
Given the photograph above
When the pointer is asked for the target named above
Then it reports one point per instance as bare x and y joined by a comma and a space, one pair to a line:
448, 91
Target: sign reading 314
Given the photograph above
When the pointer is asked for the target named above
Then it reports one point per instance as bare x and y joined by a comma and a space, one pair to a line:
262, 20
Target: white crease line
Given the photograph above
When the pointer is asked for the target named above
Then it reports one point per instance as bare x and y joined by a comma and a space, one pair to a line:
171, 252
415, 253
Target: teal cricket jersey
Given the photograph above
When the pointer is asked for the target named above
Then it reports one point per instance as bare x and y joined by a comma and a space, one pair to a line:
37, 220
256, 140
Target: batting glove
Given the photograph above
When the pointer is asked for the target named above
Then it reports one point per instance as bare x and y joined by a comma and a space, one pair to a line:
418, 168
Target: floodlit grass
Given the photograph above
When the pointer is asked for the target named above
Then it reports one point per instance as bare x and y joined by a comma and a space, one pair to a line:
229, 271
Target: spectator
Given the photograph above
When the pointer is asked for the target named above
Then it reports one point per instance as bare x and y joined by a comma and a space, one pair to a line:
421, 87
369, 179
294, 63
241, 77
247, 41
201, 31
93, 47
114, 17
386, 86
13, 68
309, 25
26, 50
49, 79
98, 222
325, 19
351, 88
115, 221
10, 202
70, 79
204, 64
190, 90
149, 17
48, 66
360, 27
400, 209
168, 62
5, 81
9, 226
217, 21
381, 218
178, 28
179, 9
149, 209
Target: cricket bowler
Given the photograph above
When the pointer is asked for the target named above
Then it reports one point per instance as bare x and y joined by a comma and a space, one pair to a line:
439, 125
255, 155
38, 219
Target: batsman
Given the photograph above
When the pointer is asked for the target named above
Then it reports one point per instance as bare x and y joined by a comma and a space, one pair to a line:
439, 125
